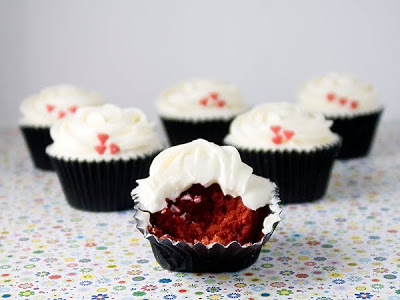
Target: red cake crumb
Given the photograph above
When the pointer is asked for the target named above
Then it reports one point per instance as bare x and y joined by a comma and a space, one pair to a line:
206, 215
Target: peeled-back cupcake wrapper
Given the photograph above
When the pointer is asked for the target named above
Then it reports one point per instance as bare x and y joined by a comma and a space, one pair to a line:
183, 131
213, 258
101, 185
301, 176
357, 133
37, 139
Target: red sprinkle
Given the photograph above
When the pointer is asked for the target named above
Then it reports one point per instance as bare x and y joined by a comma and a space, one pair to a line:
221, 103
100, 149
204, 101
354, 104
61, 114
343, 101
288, 134
73, 109
102, 137
330, 96
114, 149
50, 107
275, 129
214, 95
277, 139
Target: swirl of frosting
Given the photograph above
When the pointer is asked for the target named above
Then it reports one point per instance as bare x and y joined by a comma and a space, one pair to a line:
177, 168
280, 126
338, 94
200, 100
102, 133
54, 103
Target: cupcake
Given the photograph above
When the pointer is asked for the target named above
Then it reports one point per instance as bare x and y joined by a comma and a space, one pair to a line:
99, 153
41, 111
352, 106
199, 109
288, 145
203, 210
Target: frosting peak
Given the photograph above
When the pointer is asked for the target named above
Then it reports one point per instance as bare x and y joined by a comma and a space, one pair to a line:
200, 99
54, 103
338, 94
280, 126
103, 132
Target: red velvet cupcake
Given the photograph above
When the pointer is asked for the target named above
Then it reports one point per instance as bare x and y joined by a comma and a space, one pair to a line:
351, 104
203, 210
41, 111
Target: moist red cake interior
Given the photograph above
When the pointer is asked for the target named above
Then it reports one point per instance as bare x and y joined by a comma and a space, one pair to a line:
206, 215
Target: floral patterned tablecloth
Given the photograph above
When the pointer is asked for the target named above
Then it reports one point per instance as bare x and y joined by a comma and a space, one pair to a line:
345, 246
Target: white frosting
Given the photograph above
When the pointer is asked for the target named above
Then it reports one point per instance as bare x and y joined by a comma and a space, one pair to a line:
177, 168
102, 133
53, 103
280, 126
200, 100
339, 95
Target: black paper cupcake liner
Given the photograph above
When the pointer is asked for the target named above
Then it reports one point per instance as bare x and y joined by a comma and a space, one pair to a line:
37, 139
101, 185
300, 176
199, 258
357, 133
183, 131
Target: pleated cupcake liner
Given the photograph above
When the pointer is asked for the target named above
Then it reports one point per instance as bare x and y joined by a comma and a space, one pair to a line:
184, 131
357, 132
37, 139
301, 176
200, 258
101, 185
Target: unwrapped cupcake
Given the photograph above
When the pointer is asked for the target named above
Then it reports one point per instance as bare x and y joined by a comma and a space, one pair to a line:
351, 104
41, 111
203, 210
199, 109
99, 153
292, 147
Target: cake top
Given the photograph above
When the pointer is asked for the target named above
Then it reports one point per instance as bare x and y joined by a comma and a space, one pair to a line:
176, 169
280, 126
338, 94
200, 100
102, 133
54, 103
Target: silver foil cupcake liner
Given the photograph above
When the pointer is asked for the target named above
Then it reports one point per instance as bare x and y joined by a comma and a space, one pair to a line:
357, 132
37, 139
101, 185
199, 258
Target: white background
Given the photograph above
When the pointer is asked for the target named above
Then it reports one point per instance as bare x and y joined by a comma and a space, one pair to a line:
130, 50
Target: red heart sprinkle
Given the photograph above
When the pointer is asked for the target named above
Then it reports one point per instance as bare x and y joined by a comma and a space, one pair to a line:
102, 137
330, 96
100, 149
277, 139
204, 101
343, 101
221, 103
61, 114
288, 134
73, 109
354, 104
114, 149
275, 129
50, 107
214, 96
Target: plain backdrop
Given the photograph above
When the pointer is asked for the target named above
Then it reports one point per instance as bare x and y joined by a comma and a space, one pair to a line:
130, 50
